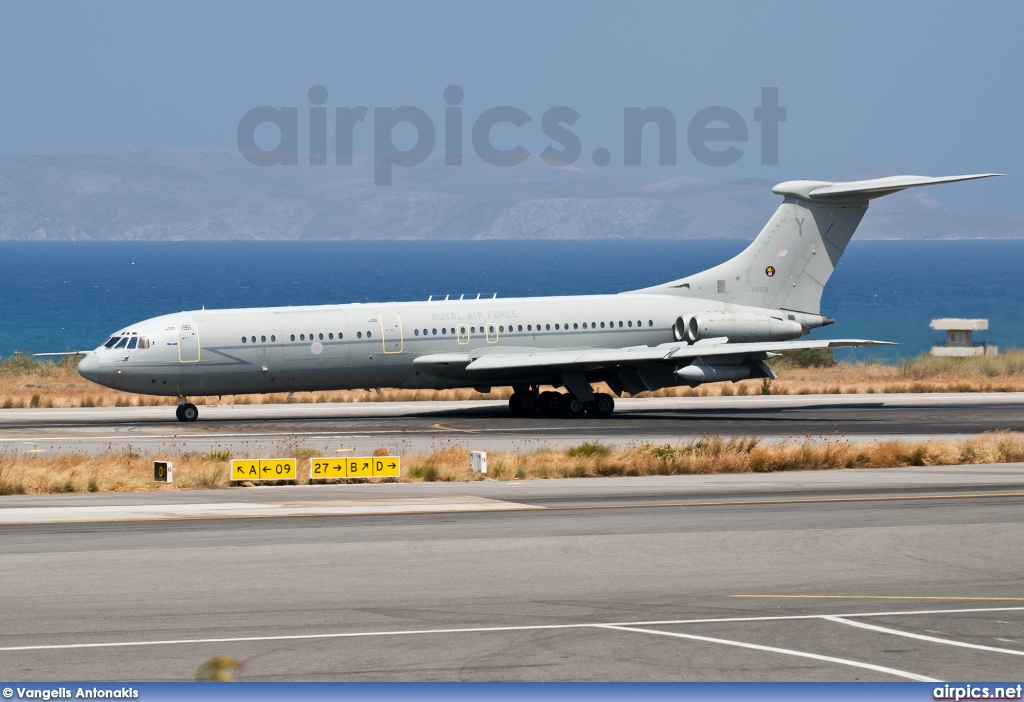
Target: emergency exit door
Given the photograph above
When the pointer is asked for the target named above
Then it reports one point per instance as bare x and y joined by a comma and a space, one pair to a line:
391, 330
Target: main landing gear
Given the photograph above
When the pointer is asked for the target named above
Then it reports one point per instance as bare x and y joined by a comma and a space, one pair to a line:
187, 412
526, 403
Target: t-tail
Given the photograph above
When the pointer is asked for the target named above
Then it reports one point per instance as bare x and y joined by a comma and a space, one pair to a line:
787, 265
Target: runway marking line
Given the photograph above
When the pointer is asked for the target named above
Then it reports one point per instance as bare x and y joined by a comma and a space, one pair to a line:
491, 629
773, 649
882, 597
525, 507
444, 428
922, 637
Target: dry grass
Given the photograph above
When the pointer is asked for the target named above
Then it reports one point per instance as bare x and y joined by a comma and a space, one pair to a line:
25, 382
130, 472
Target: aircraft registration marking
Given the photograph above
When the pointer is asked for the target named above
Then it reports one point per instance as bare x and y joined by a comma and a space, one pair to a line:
263, 469
354, 467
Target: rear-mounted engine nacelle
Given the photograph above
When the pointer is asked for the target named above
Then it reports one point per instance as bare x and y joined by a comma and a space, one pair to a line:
740, 327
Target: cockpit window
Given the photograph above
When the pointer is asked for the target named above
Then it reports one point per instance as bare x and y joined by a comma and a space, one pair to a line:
110, 342
143, 342
133, 342
122, 342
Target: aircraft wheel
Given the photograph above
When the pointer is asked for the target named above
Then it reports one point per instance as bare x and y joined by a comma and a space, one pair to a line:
522, 404
528, 404
177, 413
573, 407
602, 406
188, 412
551, 403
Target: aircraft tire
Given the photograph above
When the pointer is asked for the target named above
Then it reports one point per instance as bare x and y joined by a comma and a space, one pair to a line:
602, 406
516, 404
177, 413
551, 403
528, 404
573, 407
188, 412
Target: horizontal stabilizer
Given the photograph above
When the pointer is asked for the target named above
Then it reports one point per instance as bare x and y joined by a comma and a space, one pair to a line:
861, 190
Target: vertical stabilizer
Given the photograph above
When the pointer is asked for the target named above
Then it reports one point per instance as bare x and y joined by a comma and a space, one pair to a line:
791, 260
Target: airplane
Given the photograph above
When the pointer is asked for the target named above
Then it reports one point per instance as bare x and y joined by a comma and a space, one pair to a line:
720, 325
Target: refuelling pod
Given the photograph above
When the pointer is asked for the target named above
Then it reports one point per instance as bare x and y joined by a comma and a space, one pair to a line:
740, 328
697, 373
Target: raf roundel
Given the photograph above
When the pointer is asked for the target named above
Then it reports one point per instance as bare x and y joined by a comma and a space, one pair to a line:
769, 271
317, 348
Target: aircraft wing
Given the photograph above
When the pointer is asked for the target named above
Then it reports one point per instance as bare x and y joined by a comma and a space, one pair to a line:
633, 369
584, 359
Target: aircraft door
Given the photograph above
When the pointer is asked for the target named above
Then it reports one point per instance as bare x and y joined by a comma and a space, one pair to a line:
492, 333
391, 330
188, 341
463, 333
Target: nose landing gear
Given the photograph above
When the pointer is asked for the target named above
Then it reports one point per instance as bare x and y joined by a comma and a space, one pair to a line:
186, 412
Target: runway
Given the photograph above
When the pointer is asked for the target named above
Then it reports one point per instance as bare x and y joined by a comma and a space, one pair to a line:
419, 426
903, 574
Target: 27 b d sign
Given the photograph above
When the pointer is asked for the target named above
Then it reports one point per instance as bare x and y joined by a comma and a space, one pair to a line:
375, 467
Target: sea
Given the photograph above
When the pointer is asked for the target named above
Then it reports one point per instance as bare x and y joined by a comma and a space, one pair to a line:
61, 296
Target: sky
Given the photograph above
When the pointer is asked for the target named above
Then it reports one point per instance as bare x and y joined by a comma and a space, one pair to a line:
927, 88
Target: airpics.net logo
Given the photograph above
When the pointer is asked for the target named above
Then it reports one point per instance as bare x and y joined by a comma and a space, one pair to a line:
715, 136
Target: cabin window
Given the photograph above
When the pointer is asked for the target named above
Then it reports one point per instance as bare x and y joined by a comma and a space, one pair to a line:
630, 323
340, 335
321, 336
417, 332
133, 342
254, 340
368, 335
434, 332
472, 330
620, 325
502, 329
359, 335
520, 327
602, 325
575, 325
244, 340
273, 338
143, 342
639, 323
263, 339
650, 322
122, 342
584, 325
330, 336
293, 337
556, 327
302, 337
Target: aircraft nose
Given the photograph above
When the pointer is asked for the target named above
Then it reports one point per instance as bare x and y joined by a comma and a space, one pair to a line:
89, 368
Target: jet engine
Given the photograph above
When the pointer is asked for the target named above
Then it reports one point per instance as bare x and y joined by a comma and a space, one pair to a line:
739, 327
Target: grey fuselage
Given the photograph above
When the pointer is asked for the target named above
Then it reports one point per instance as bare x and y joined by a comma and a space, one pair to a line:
335, 347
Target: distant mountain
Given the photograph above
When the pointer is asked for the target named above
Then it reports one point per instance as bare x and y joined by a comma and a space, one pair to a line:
165, 194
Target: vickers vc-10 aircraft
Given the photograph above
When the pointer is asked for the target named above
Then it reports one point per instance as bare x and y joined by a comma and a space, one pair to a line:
718, 325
